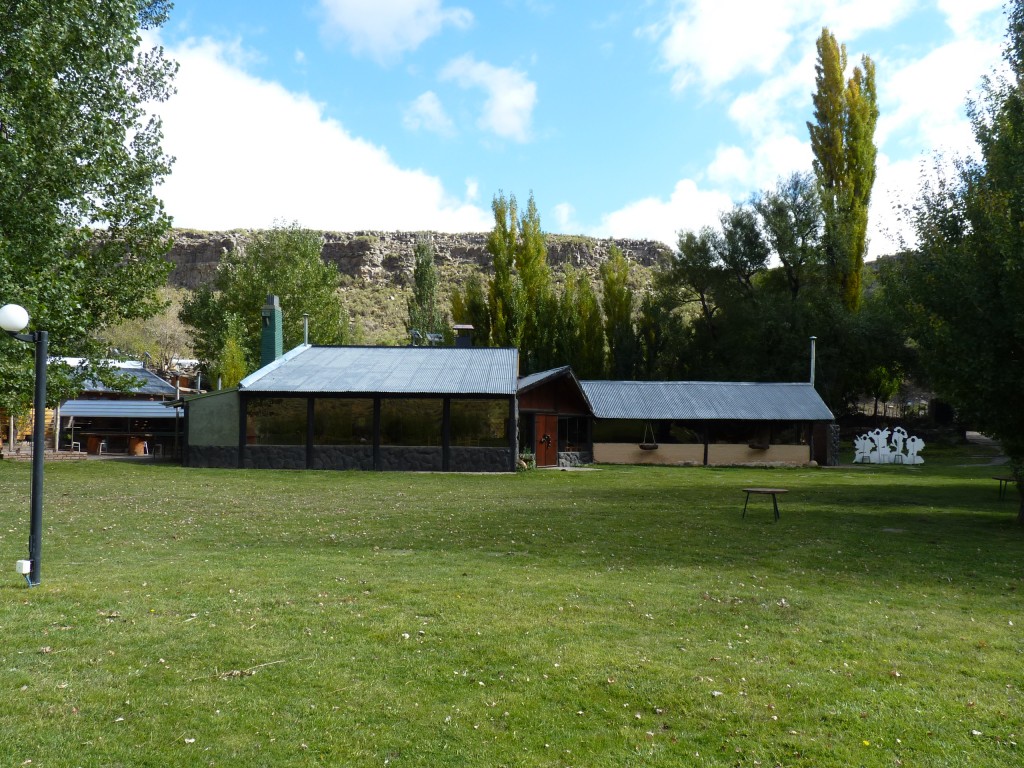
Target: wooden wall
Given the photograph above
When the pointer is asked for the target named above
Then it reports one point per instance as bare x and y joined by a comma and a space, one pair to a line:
693, 453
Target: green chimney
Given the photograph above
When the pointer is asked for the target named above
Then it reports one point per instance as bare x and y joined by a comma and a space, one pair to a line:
272, 334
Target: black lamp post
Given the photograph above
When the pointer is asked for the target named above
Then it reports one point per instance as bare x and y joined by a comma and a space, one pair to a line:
13, 320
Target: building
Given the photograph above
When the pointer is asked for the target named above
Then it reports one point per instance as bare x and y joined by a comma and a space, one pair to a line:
555, 418
708, 423
465, 409
135, 422
375, 408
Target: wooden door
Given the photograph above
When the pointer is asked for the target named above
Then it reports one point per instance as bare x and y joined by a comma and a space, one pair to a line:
546, 440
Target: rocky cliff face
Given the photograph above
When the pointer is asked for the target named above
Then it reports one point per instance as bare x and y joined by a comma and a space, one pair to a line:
387, 257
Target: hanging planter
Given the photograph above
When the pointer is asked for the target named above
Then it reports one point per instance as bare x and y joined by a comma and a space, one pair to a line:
648, 444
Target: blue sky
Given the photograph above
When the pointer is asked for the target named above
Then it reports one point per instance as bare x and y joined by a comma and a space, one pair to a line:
625, 119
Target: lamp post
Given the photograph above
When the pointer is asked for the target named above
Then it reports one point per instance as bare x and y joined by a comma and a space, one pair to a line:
13, 320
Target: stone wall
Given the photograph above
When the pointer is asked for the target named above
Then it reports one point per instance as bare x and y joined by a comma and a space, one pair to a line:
379, 257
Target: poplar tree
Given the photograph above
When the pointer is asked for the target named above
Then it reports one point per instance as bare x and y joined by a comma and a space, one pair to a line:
82, 232
425, 314
617, 303
580, 332
505, 291
842, 139
538, 297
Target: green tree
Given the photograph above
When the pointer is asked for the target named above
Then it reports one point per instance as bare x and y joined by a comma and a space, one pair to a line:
617, 303
791, 219
162, 337
843, 142
232, 367
579, 331
505, 290
538, 296
82, 234
425, 313
469, 307
964, 283
283, 261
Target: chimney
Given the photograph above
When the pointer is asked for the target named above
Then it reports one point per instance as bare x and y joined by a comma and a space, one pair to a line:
272, 333
463, 336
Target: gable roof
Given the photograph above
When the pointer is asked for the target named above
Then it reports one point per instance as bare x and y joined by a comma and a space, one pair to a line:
129, 409
146, 382
526, 383
705, 401
389, 370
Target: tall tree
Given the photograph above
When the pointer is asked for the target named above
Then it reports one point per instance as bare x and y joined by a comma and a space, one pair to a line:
538, 297
505, 291
617, 303
842, 139
469, 307
579, 335
82, 234
964, 283
792, 222
425, 313
284, 261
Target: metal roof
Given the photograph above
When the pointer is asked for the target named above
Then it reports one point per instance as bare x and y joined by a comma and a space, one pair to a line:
119, 409
536, 379
148, 383
389, 370
705, 401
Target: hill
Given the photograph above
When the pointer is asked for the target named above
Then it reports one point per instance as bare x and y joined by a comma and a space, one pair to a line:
376, 267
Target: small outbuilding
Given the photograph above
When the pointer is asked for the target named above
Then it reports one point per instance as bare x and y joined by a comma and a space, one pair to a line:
555, 418
708, 423
134, 422
371, 408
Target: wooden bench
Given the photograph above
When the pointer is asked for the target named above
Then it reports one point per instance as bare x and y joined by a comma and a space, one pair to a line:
773, 492
1004, 480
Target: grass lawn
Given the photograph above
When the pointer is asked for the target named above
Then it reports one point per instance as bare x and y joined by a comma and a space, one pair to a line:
623, 617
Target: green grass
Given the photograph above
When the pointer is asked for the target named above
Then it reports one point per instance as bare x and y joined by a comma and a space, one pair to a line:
625, 617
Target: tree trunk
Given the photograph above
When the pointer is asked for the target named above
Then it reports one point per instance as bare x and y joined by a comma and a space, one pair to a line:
1017, 468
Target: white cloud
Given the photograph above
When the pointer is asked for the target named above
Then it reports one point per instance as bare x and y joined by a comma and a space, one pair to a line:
385, 29
250, 152
472, 189
922, 103
897, 184
511, 96
712, 42
771, 105
771, 158
963, 17
847, 19
427, 113
687, 208
565, 219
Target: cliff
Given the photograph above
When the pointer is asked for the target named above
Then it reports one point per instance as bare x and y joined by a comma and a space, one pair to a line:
387, 257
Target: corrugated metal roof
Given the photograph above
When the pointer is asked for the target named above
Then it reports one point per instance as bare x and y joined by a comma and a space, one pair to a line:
148, 383
390, 370
705, 401
119, 409
534, 379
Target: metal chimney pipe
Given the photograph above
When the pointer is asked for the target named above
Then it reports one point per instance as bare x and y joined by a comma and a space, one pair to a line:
814, 340
305, 327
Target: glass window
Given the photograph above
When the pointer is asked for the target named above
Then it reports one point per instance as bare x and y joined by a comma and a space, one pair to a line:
276, 421
412, 421
573, 433
343, 421
480, 423
619, 431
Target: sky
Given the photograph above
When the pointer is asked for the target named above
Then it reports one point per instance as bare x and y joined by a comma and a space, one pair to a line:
623, 118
